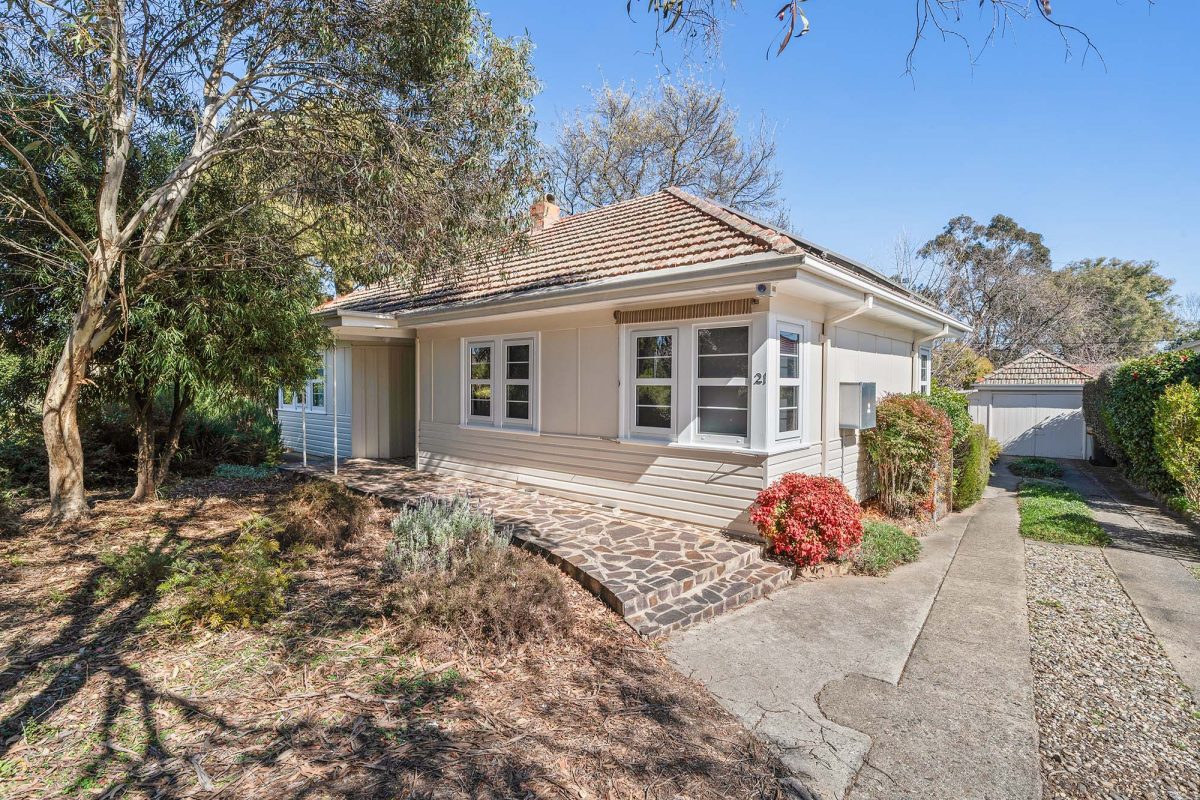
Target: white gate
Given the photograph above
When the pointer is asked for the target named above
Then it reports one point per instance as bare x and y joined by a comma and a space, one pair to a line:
1048, 424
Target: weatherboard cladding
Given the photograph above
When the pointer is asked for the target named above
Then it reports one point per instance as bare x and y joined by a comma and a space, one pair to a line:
1037, 368
670, 228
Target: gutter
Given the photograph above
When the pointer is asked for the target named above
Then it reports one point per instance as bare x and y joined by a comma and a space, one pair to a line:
827, 329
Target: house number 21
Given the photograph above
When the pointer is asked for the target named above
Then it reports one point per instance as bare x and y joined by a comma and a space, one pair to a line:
759, 379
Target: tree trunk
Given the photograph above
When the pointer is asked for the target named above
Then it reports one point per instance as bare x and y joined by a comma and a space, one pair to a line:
154, 460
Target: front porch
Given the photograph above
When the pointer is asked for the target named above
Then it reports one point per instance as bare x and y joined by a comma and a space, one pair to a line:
658, 574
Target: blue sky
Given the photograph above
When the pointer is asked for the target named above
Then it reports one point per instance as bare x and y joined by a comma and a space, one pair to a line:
1103, 163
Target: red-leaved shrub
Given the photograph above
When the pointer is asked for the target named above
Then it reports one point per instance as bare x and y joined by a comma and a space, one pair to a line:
807, 518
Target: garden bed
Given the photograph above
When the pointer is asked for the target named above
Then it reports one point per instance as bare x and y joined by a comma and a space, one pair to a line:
331, 697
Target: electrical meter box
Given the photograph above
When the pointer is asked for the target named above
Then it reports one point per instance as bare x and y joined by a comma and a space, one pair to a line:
857, 406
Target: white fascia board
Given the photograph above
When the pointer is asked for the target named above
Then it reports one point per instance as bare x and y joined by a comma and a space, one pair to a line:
640, 286
890, 296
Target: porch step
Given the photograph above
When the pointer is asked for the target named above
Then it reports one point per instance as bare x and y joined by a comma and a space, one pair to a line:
705, 602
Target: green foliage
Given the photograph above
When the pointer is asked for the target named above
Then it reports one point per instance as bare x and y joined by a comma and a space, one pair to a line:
1095, 398
1035, 467
140, 568
908, 448
1052, 512
974, 468
240, 586
457, 573
1177, 437
433, 536
954, 405
1128, 409
242, 471
885, 546
321, 514
995, 450
957, 366
10, 520
1137, 309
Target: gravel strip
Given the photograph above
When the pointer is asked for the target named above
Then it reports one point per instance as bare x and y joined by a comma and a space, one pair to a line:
1114, 719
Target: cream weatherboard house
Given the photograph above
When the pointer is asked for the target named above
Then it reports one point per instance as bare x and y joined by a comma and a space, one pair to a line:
664, 355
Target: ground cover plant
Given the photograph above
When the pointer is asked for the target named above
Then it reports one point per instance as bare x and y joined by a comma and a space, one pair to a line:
1052, 512
329, 697
808, 518
885, 546
1035, 467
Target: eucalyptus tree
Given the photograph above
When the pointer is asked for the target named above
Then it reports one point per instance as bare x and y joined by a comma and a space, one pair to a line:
409, 117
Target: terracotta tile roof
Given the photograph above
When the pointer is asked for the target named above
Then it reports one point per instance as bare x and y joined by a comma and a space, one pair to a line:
1037, 368
670, 228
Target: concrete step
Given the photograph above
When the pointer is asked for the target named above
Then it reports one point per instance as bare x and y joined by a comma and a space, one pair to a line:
726, 593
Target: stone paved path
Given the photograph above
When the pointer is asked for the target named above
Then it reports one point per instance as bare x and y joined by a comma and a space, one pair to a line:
1151, 555
913, 685
658, 574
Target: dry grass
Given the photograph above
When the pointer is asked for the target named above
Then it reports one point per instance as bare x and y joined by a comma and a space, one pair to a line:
329, 700
321, 514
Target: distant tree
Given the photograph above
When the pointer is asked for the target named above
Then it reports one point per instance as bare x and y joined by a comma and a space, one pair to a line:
1131, 311
685, 134
957, 366
410, 119
1189, 319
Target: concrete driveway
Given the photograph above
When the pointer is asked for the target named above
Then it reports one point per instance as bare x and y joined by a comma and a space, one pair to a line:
914, 685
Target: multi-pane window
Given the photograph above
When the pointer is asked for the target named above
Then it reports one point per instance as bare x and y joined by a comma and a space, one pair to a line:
310, 398
722, 381
316, 390
499, 382
923, 372
480, 380
654, 381
790, 343
518, 366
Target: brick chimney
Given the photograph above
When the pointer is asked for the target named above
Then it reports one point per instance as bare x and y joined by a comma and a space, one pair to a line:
544, 213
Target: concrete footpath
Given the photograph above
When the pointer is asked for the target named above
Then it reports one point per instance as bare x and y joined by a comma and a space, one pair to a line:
1150, 554
913, 685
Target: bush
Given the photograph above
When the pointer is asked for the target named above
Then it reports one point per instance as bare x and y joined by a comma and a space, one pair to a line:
243, 471
1128, 410
974, 468
808, 518
139, 569
215, 434
995, 450
1035, 467
240, 586
885, 546
908, 449
321, 514
1177, 437
455, 571
1095, 398
954, 405
10, 519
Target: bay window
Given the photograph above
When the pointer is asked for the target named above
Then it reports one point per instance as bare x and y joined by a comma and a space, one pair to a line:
722, 381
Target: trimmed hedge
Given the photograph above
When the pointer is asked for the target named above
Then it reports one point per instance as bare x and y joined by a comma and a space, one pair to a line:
974, 465
1126, 411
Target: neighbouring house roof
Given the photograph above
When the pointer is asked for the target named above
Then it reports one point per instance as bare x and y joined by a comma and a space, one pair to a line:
670, 228
1037, 368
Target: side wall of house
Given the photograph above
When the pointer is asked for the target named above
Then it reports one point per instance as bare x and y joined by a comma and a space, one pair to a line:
320, 424
575, 452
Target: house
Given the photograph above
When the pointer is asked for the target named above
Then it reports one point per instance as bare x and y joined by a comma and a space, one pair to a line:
1034, 406
1192, 345
664, 355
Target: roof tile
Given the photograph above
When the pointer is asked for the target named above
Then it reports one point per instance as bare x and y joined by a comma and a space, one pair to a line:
1037, 368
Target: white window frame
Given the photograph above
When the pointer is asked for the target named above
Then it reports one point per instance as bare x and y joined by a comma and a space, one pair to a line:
778, 382
697, 382
633, 334
924, 363
303, 400
499, 382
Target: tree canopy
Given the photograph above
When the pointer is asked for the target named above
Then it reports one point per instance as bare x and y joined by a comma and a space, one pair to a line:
631, 143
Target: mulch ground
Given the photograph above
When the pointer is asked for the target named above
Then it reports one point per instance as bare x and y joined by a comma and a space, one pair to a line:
326, 701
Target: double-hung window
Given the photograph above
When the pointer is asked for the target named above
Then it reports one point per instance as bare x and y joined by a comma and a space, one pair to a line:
316, 390
654, 382
791, 343
499, 385
924, 360
722, 382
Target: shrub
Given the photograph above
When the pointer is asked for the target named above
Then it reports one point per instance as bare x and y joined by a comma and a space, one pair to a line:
974, 467
1128, 411
1177, 437
243, 471
139, 568
1035, 467
808, 518
321, 514
10, 519
954, 405
908, 449
995, 450
885, 546
216, 434
456, 572
240, 586
1095, 399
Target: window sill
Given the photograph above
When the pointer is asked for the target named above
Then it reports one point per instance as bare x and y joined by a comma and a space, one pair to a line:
478, 426
301, 410
706, 447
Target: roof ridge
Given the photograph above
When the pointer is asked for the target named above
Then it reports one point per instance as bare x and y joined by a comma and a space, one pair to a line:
780, 242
